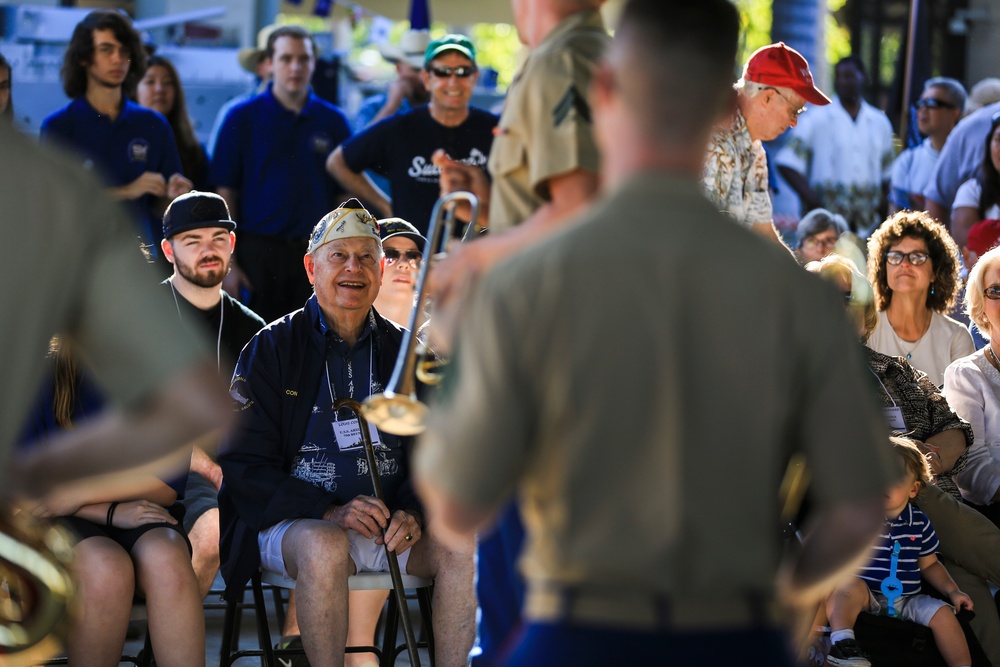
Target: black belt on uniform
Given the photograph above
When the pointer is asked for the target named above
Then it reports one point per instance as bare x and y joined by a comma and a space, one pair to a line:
649, 610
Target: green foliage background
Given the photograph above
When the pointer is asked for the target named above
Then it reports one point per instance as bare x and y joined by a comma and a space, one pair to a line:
756, 18
498, 47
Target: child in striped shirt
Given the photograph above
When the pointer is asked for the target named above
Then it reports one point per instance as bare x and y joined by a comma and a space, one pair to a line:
889, 585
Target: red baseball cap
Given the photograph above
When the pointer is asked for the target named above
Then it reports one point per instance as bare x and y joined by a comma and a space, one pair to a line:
783, 66
983, 236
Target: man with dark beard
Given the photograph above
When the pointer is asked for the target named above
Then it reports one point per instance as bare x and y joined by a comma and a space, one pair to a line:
198, 239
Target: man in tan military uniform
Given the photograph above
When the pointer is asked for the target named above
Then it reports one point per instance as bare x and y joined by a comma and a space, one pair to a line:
545, 130
544, 164
644, 419
94, 289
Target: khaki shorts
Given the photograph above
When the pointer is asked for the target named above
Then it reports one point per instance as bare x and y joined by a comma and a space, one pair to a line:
918, 607
367, 556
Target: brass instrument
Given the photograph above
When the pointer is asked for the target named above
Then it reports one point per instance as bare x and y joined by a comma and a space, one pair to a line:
397, 410
35, 588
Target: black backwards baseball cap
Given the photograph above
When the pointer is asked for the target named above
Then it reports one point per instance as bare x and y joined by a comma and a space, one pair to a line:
196, 210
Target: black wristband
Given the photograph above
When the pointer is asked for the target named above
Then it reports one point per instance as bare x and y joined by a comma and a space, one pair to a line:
111, 514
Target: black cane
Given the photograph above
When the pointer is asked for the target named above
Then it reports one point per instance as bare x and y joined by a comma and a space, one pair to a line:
397, 578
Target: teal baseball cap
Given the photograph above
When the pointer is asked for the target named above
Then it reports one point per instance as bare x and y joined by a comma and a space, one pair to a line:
453, 42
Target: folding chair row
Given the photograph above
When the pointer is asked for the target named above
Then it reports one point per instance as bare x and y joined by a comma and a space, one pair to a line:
363, 581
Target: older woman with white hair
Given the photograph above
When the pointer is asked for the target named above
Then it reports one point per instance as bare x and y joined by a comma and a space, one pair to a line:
817, 234
972, 385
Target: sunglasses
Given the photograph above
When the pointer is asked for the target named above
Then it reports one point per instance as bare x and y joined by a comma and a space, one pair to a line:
413, 257
933, 103
895, 257
992, 292
463, 72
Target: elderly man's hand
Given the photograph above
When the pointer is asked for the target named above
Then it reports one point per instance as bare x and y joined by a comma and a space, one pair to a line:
403, 532
365, 514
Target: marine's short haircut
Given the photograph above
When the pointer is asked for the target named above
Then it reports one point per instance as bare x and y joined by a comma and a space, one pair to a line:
682, 62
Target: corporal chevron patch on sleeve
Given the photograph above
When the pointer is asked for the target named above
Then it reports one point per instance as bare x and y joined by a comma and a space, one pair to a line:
572, 100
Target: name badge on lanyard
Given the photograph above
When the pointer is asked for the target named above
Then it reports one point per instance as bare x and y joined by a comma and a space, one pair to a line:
348, 435
894, 416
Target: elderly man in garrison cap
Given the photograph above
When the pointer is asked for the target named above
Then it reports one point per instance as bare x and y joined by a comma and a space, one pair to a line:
771, 94
297, 498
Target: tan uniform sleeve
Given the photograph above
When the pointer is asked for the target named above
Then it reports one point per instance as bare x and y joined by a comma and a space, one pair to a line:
558, 123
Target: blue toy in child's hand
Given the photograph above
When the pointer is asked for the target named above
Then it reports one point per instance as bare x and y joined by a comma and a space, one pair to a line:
892, 587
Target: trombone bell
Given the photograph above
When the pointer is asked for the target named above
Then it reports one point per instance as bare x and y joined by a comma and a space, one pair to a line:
395, 413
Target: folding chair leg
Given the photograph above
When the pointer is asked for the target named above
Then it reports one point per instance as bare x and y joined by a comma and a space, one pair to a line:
146, 659
426, 619
279, 605
389, 631
230, 631
263, 631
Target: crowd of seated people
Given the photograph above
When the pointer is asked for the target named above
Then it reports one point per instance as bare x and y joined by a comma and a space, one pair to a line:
935, 387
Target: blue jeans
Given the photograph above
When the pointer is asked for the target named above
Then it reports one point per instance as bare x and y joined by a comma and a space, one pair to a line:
499, 587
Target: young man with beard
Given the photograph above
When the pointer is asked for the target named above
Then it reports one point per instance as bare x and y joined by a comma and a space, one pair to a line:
198, 239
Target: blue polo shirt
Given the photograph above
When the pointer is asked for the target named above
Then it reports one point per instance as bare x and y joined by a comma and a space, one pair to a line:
276, 158
342, 467
121, 150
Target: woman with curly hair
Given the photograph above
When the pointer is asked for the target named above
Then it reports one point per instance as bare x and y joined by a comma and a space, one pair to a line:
979, 197
160, 89
913, 266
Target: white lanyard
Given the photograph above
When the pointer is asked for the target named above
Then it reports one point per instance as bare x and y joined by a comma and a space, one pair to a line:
350, 369
893, 415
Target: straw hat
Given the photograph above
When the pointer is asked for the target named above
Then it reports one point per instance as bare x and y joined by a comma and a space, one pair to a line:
250, 57
410, 50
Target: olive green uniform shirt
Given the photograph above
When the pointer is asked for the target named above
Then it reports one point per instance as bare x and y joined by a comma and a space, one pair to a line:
545, 129
641, 384
70, 264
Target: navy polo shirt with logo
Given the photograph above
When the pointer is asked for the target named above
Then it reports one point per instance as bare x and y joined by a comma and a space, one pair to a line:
121, 150
400, 148
276, 159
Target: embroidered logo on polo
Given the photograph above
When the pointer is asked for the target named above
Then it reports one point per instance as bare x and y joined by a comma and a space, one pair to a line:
320, 143
571, 101
138, 150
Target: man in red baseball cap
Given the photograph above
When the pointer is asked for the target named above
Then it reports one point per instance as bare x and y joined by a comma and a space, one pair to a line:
773, 91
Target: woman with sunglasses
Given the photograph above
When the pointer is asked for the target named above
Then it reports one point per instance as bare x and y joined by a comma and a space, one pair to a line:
972, 385
979, 197
913, 266
403, 247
